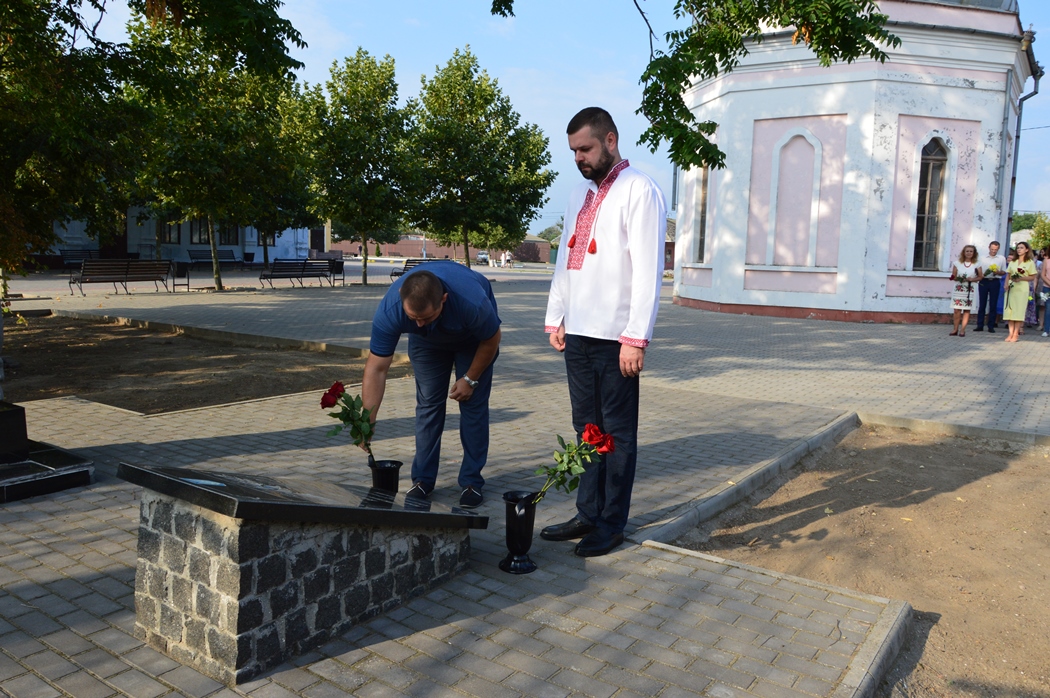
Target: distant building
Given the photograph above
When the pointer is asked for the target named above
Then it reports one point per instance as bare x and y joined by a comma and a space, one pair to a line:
848, 190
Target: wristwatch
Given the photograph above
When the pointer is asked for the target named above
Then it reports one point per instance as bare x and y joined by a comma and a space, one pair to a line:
470, 381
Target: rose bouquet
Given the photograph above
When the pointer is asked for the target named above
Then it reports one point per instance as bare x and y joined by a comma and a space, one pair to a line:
352, 414
569, 460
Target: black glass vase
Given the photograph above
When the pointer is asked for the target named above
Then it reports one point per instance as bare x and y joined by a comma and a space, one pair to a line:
521, 516
385, 474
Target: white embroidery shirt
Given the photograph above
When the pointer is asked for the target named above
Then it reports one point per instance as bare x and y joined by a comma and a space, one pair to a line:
607, 284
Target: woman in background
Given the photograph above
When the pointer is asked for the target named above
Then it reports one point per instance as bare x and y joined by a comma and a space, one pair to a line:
965, 272
1018, 273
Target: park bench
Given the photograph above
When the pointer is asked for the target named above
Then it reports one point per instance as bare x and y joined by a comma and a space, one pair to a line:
293, 269
409, 264
204, 257
73, 258
120, 271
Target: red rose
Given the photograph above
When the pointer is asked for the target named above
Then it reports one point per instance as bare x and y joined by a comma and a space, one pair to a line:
606, 445
337, 389
592, 434
329, 400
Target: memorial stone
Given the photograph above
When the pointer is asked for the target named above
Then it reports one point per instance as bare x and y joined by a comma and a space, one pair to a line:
237, 573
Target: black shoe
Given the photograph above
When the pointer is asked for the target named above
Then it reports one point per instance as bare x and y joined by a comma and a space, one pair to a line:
573, 528
979, 329
418, 491
471, 498
991, 329
598, 543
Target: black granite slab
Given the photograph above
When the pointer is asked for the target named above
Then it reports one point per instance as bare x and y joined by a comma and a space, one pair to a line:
14, 444
47, 469
265, 498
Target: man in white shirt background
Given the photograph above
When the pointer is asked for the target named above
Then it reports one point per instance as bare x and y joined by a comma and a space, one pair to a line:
600, 314
993, 266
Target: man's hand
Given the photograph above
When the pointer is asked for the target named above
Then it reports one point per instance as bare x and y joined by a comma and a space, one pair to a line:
558, 338
461, 391
631, 360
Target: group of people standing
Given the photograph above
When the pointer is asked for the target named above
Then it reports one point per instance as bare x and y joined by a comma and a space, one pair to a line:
600, 316
1020, 275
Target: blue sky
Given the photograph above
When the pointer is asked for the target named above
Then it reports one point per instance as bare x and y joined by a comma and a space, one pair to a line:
554, 58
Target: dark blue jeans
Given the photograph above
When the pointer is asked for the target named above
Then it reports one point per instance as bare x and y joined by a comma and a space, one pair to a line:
433, 364
988, 295
600, 395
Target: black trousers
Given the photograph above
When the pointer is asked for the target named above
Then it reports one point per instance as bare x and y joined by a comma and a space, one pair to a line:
600, 395
988, 299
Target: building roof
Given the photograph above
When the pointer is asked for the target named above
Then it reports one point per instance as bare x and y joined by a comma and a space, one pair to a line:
1000, 5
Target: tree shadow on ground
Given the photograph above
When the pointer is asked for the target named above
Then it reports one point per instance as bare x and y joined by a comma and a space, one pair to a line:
915, 474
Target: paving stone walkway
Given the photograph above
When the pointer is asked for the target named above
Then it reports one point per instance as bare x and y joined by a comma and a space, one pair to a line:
647, 620
902, 370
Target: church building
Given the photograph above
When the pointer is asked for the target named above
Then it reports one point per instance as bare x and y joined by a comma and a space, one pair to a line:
849, 190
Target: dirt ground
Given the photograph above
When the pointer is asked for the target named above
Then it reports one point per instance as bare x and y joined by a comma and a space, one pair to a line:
151, 372
957, 527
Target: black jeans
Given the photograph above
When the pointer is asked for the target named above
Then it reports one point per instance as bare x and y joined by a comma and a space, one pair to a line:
988, 293
601, 395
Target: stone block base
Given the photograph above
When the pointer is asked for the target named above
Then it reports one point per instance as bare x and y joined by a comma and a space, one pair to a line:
232, 597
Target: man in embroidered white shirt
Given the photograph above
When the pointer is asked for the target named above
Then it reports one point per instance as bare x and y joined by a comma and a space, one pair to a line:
600, 313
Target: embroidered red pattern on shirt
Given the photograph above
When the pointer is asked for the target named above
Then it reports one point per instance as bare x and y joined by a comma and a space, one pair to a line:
631, 341
585, 218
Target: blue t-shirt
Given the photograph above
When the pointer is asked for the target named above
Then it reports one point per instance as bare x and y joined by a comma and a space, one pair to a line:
469, 315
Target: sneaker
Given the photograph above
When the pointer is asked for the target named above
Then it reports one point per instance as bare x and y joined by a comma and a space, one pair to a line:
418, 491
991, 329
471, 498
1046, 335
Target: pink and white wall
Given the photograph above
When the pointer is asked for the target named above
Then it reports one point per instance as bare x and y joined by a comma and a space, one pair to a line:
814, 214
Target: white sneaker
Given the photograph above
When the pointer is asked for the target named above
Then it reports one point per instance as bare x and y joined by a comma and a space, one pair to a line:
1046, 335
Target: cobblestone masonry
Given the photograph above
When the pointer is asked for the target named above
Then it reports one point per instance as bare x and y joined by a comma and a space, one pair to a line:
233, 598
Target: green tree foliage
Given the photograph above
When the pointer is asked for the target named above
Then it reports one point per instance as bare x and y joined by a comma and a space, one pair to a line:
1023, 221
718, 35
482, 170
68, 139
211, 139
1040, 238
552, 232
363, 166
281, 173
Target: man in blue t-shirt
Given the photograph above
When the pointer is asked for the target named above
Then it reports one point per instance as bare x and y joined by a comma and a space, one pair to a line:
449, 314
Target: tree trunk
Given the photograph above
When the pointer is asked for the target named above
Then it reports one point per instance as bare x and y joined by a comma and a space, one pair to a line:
266, 249
158, 225
216, 272
364, 260
466, 247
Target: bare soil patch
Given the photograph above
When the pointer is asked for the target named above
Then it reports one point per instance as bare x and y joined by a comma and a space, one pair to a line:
151, 372
957, 527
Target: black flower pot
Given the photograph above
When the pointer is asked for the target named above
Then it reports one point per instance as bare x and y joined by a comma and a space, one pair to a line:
521, 516
14, 444
385, 474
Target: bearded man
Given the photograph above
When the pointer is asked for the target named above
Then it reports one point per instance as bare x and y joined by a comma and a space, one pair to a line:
600, 314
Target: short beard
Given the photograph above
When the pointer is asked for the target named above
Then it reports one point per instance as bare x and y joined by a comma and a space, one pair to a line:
601, 170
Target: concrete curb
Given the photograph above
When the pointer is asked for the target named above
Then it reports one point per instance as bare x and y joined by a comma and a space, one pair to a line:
878, 652
235, 338
926, 426
718, 499
875, 654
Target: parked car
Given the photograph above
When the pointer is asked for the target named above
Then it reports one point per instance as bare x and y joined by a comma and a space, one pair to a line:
483, 257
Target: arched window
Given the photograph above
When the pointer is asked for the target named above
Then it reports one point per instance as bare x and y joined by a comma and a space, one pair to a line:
928, 216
